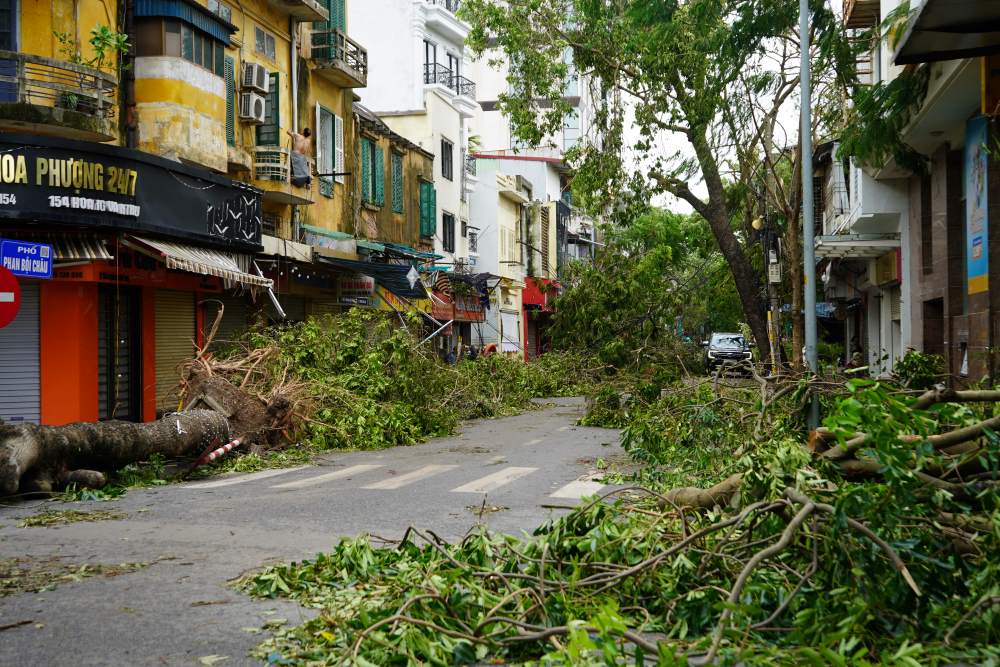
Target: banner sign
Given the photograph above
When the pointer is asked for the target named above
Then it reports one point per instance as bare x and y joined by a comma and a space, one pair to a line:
30, 260
976, 203
43, 179
356, 290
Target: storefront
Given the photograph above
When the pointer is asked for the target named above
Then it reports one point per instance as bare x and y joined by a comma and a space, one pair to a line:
536, 300
138, 244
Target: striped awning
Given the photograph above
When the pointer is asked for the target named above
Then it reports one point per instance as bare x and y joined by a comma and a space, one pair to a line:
77, 249
202, 260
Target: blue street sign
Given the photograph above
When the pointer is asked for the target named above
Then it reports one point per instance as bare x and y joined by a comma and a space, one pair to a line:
26, 259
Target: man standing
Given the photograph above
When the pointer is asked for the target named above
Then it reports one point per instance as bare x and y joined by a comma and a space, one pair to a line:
300, 164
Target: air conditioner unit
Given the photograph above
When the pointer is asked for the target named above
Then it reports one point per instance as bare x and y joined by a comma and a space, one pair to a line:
255, 77
252, 108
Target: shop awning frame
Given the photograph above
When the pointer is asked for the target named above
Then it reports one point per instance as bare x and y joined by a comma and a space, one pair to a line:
950, 30
855, 246
200, 260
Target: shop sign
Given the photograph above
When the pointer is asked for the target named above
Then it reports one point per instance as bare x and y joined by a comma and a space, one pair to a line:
976, 203
356, 290
93, 185
30, 260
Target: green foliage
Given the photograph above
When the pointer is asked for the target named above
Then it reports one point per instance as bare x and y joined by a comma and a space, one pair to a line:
610, 568
106, 43
371, 385
919, 370
661, 271
62, 517
134, 475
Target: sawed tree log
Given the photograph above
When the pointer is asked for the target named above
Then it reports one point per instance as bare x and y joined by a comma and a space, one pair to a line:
37, 456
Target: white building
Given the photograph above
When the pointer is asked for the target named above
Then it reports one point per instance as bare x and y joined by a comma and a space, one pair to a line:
417, 84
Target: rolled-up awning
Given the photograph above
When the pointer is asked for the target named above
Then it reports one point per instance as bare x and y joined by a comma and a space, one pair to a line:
78, 249
202, 260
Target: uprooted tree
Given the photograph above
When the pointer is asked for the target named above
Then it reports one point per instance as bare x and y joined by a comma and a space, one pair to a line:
873, 542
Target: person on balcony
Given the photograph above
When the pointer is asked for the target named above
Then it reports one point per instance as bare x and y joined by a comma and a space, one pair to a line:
300, 158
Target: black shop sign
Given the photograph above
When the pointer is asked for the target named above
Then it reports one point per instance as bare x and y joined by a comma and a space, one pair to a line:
92, 185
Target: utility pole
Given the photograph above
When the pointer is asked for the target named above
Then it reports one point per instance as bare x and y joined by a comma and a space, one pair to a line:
809, 250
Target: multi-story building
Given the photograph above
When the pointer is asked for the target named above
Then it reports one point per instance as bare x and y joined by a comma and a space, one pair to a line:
158, 178
419, 87
914, 247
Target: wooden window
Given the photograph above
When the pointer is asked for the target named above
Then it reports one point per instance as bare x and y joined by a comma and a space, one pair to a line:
448, 231
149, 37
366, 169
379, 174
172, 38
397, 182
229, 68
269, 133
338, 149
264, 43
325, 150
169, 37
372, 172
447, 160
428, 209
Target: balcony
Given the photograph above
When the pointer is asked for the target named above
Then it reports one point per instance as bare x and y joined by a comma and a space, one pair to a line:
340, 59
440, 17
53, 97
861, 13
271, 173
470, 165
303, 10
464, 87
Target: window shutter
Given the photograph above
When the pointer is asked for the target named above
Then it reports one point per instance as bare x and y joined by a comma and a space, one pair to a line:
397, 182
338, 138
432, 213
379, 175
338, 17
366, 170
269, 132
229, 69
428, 209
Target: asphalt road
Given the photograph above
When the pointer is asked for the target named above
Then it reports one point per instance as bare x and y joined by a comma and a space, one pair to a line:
197, 536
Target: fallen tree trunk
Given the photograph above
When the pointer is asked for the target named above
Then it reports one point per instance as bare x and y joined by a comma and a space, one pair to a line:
33, 458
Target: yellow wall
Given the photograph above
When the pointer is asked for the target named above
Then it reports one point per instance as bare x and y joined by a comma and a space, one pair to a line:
40, 18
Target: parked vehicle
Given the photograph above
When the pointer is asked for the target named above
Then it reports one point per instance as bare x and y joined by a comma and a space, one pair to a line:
726, 349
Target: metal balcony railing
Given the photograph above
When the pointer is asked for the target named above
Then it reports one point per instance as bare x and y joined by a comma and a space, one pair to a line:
334, 47
31, 79
470, 165
434, 73
270, 163
463, 86
450, 5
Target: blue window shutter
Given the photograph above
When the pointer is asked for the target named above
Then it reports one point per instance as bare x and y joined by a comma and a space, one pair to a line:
366, 169
379, 175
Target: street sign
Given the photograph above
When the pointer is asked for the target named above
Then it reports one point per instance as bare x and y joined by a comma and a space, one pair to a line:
10, 297
23, 258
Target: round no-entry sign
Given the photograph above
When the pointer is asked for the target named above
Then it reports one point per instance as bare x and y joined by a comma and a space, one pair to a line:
10, 297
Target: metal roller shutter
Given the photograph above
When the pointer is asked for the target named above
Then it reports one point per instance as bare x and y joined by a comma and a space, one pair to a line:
235, 318
20, 393
320, 307
175, 333
294, 307
532, 339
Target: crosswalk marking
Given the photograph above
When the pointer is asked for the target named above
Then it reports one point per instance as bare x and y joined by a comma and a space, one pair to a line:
494, 481
532, 442
239, 479
319, 479
410, 477
578, 489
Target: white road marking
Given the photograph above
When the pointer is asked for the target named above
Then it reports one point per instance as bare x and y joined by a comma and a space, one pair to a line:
410, 477
319, 479
494, 481
532, 442
563, 428
578, 489
239, 479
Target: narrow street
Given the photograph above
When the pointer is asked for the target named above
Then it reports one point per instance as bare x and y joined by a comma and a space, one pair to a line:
194, 537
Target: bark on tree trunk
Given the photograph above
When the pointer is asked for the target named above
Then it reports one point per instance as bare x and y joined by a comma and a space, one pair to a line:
49, 452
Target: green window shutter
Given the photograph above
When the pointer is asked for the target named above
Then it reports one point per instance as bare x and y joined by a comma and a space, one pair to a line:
397, 182
379, 175
229, 68
426, 212
338, 16
366, 169
269, 133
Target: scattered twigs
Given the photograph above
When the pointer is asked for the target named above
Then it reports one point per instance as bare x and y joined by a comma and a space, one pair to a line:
987, 600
